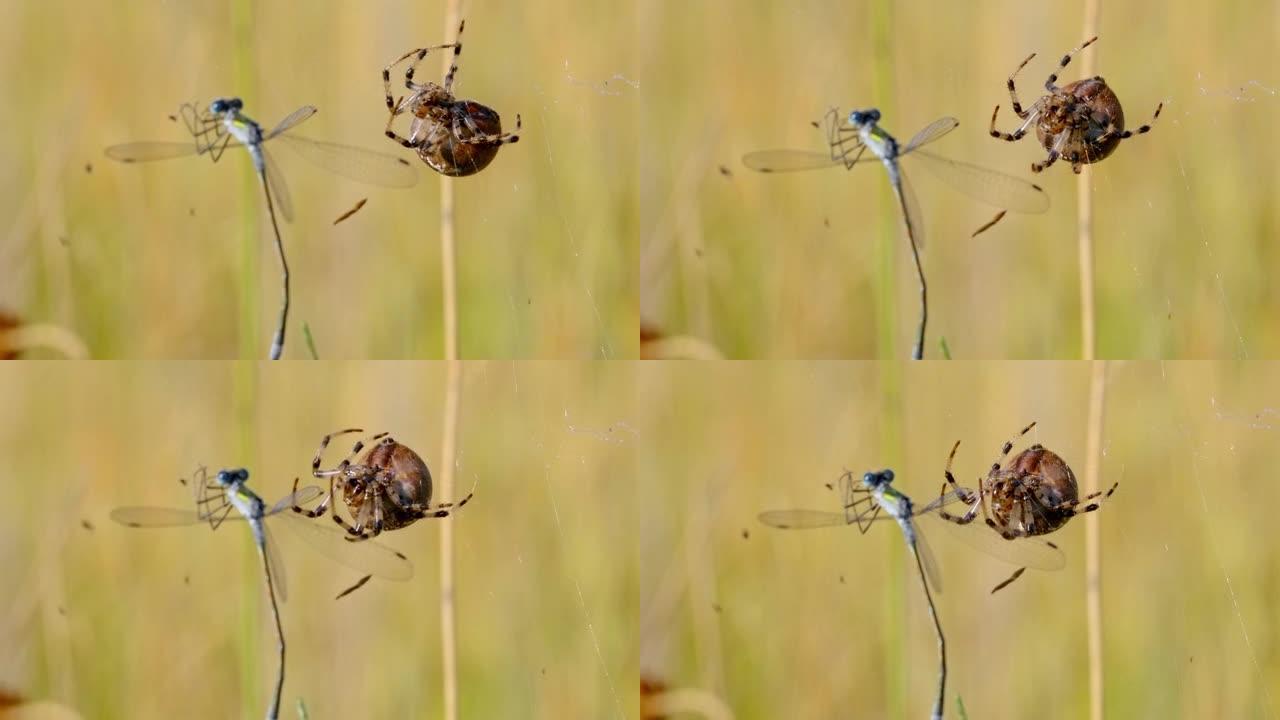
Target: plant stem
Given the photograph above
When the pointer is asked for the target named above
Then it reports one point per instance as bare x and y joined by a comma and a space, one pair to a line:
311, 342
277, 341
273, 712
917, 353
1084, 210
453, 389
942, 642
1097, 396
1093, 536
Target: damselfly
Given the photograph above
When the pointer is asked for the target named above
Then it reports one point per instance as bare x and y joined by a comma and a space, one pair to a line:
216, 498
848, 145
863, 503
228, 490
214, 128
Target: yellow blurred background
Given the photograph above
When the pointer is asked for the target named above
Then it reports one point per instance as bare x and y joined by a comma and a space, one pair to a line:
827, 623
174, 259
813, 265
120, 622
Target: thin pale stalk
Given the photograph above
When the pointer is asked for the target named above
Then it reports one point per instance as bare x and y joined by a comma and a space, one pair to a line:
273, 712
1093, 536
1084, 209
1097, 395
1084, 238
448, 621
311, 342
448, 269
277, 341
942, 642
453, 390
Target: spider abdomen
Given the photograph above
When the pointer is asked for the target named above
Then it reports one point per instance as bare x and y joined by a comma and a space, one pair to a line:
402, 471
1035, 493
400, 485
447, 153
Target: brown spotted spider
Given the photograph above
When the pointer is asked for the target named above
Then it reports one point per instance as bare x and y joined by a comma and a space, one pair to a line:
388, 489
1081, 122
1035, 493
454, 137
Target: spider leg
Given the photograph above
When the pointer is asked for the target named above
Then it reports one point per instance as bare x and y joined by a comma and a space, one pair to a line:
1084, 506
324, 443
386, 87
1054, 153
420, 54
413, 142
457, 51
969, 515
1125, 135
503, 139
1053, 78
348, 528
458, 504
377, 515
972, 502
362, 518
1008, 445
1013, 93
425, 511
413, 67
951, 479
1014, 136
320, 509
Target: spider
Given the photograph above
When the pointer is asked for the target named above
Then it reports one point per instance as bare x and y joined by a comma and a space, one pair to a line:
1081, 123
388, 489
1033, 494
454, 137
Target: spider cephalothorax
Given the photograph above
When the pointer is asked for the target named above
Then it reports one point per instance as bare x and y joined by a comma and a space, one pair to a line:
1081, 122
453, 137
389, 488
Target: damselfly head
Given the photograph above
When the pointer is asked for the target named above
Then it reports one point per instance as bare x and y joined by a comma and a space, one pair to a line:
875, 480
862, 118
229, 478
225, 105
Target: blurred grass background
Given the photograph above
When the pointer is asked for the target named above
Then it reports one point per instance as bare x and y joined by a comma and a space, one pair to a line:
546, 235
830, 623
119, 622
1186, 218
